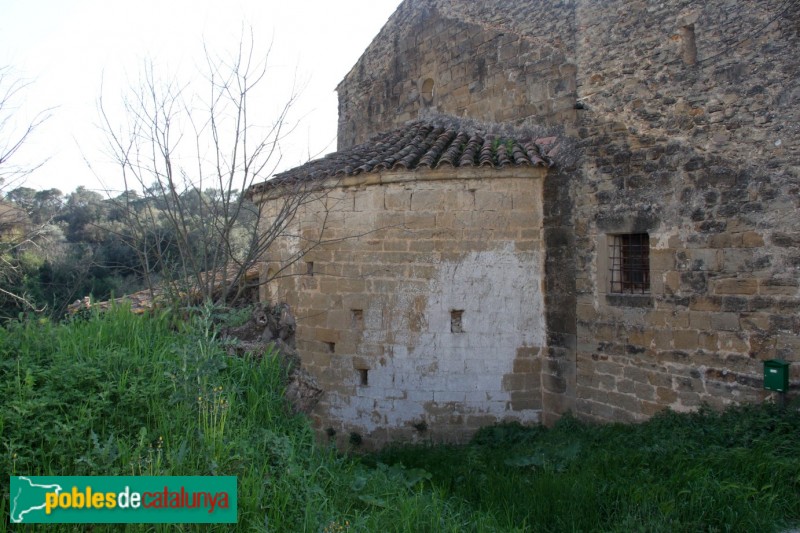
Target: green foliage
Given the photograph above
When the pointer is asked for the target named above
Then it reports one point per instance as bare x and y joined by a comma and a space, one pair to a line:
120, 394
232, 317
708, 471
65, 247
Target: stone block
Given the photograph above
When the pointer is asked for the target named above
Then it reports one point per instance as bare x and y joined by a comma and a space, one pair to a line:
319, 360
704, 259
600, 410
417, 220
662, 259
704, 303
395, 245
680, 319
751, 239
521, 401
626, 386
725, 240
385, 220
738, 260
396, 199
788, 347
326, 335
625, 402
316, 318
449, 396
526, 365
725, 321
604, 382
586, 312
654, 318
420, 245
732, 342
638, 375
521, 246
666, 396
659, 379
521, 382
641, 337
370, 199
338, 286
551, 383
651, 408
644, 391
339, 319
662, 339
492, 201
685, 339
460, 381
744, 286
708, 341
778, 287
699, 320
672, 282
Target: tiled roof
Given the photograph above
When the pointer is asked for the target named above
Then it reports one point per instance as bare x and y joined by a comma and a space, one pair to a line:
420, 145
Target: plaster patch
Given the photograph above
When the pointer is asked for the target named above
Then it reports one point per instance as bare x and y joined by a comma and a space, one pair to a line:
500, 294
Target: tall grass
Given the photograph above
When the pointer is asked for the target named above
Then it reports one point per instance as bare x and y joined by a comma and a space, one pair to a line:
120, 394
738, 470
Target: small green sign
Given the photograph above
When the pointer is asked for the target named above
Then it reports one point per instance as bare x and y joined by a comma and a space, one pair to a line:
123, 499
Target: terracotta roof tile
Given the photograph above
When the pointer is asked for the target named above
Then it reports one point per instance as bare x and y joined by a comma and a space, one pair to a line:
421, 145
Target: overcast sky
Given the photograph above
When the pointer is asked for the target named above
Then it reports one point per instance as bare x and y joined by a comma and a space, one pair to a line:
67, 48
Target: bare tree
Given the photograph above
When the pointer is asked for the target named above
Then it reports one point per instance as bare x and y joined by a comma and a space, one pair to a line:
13, 135
188, 158
16, 229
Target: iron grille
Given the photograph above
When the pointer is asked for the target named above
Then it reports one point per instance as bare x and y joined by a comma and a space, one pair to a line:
630, 263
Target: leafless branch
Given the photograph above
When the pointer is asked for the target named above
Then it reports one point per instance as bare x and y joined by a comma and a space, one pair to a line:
190, 155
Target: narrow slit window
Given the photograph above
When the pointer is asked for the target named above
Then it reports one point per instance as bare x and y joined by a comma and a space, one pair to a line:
427, 91
331, 346
363, 377
310, 268
357, 318
456, 321
630, 263
689, 45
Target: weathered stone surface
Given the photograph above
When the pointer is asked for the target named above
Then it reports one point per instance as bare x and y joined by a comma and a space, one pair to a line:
664, 127
272, 328
457, 326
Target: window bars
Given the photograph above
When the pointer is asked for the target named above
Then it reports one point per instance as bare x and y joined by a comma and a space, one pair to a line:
630, 263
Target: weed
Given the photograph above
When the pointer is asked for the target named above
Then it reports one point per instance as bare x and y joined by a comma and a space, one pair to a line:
120, 394
735, 470
212, 411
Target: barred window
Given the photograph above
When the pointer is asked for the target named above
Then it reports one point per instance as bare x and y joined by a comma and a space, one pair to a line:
630, 263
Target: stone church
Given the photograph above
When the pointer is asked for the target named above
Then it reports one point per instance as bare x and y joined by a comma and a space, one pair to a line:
539, 207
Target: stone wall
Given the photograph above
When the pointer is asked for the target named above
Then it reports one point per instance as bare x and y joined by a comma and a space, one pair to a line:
451, 58
690, 133
688, 130
421, 311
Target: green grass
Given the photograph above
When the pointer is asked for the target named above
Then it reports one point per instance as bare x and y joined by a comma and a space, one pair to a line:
119, 394
733, 471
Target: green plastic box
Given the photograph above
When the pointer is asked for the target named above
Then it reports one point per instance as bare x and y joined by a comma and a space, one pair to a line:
776, 375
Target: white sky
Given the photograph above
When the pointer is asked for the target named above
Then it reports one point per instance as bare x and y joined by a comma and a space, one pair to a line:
67, 47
